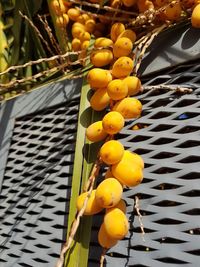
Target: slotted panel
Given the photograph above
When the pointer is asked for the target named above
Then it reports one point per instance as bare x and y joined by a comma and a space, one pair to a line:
168, 140
36, 185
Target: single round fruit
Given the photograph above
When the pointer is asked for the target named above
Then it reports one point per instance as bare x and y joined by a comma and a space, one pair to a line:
116, 223
84, 36
134, 158
85, 45
100, 58
122, 47
116, 29
120, 205
73, 13
83, 18
76, 44
129, 34
111, 152
104, 239
100, 99
195, 19
90, 25
95, 132
99, 78
134, 85
117, 89
173, 11
122, 67
108, 193
113, 122
103, 42
127, 173
129, 108
77, 31
144, 5
92, 206
129, 3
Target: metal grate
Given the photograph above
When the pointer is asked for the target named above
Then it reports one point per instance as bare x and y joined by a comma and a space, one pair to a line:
36, 187
168, 140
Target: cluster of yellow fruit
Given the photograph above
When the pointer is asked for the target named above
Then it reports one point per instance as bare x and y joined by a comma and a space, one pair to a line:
111, 82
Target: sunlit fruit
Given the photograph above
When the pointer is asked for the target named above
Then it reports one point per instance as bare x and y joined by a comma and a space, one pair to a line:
116, 223
173, 10
100, 58
116, 29
111, 152
104, 239
83, 18
62, 20
85, 44
99, 78
144, 5
128, 34
100, 99
129, 3
103, 42
122, 47
76, 44
195, 19
134, 85
84, 36
92, 206
117, 89
127, 173
108, 193
128, 107
122, 67
115, 3
113, 122
95, 132
73, 13
58, 7
133, 157
90, 25
120, 205
77, 31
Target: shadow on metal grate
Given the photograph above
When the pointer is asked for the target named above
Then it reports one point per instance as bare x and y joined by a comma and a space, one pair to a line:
36, 184
168, 140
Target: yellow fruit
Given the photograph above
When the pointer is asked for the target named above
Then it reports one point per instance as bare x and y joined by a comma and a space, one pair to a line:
129, 34
160, 3
73, 14
58, 7
117, 89
92, 206
113, 122
129, 3
195, 19
129, 108
108, 193
111, 152
100, 58
100, 99
85, 45
144, 5
62, 21
76, 44
134, 158
103, 42
134, 85
84, 36
122, 47
173, 11
99, 78
116, 223
115, 3
116, 29
122, 67
77, 31
120, 205
127, 173
95, 132
104, 239
79, 25
90, 25
83, 18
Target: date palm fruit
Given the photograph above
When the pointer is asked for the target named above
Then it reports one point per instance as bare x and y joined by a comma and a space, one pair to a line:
144, 5
129, 34
90, 25
129, 108
84, 36
62, 20
85, 45
122, 47
122, 67
101, 58
116, 29
95, 132
173, 11
76, 44
104, 239
99, 78
134, 85
92, 206
133, 157
103, 42
77, 30
195, 19
100, 99
120, 205
160, 3
116, 223
83, 18
73, 14
111, 152
117, 89
115, 3
127, 173
129, 3
113, 122
58, 7
108, 193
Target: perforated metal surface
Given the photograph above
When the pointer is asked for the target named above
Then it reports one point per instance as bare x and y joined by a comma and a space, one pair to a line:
36, 187
169, 195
